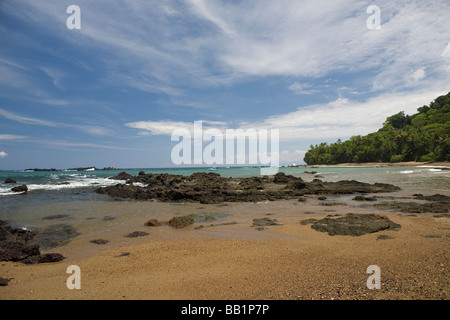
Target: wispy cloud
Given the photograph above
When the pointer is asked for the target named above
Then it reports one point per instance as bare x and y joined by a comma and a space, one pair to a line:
3, 154
91, 129
168, 127
263, 38
343, 117
26, 120
19, 82
10, 137
338, 119
302, 88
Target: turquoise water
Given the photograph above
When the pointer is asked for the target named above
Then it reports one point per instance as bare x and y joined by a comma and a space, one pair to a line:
408, 178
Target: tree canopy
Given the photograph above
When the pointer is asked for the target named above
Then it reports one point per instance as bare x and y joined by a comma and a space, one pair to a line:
424, 136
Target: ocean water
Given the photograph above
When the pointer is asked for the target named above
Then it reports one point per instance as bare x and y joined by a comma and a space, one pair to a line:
73, 192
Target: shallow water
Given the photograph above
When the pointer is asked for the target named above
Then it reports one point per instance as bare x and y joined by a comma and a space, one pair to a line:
78, 205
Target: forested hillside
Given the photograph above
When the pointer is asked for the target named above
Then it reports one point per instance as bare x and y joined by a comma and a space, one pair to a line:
424, 136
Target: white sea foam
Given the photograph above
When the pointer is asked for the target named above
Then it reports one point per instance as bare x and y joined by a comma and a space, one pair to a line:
407, 171
73, 182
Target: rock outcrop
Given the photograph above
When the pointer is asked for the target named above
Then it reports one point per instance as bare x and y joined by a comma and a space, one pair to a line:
212, 188
16, 244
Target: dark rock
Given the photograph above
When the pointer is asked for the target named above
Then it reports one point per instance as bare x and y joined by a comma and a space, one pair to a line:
434, 197
211, 188
263, 222
55, 216
43, 258
19, 245
15, 243
141, 173
122, 176
55, 235
308, 221
125, 254
281, 177
4, 281
384, 237
431, 236
22, 188
9, 180
17, 251
99, 241
254, 183
152, 223
136, 234
354, 224
209, 217
362, 198
414, 207
297, 185
181, 222
120, 191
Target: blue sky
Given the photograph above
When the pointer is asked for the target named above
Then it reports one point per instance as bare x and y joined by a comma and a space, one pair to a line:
111, 93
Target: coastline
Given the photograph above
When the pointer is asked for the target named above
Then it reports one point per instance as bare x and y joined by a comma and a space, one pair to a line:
287, 261
230, 259
384, 164
225, 255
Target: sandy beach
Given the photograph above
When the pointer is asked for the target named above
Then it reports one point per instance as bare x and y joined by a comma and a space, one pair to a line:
234, 260
387, 164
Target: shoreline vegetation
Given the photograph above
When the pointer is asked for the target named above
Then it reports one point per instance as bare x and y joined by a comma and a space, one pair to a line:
381, 164
422, 137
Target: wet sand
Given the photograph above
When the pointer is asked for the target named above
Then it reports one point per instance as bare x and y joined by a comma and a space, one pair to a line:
236, 261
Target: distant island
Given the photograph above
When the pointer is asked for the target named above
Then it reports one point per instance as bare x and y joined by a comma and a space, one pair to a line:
422, 137
73, 169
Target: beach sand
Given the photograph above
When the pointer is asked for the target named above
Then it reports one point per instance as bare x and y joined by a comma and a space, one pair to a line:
388, 164
236, 261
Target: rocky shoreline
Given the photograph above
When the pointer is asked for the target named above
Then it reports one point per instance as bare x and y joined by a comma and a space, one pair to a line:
211, 188
18, 244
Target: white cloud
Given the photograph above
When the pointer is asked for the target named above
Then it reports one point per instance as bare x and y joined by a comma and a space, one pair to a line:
91, 129
165, 46
27, 120
302, 88
419, 74
338, 119
292, 157
3, 154
168, 127
10, 137
343, 118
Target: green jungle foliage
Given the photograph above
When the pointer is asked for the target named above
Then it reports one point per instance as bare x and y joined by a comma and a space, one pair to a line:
424, 136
